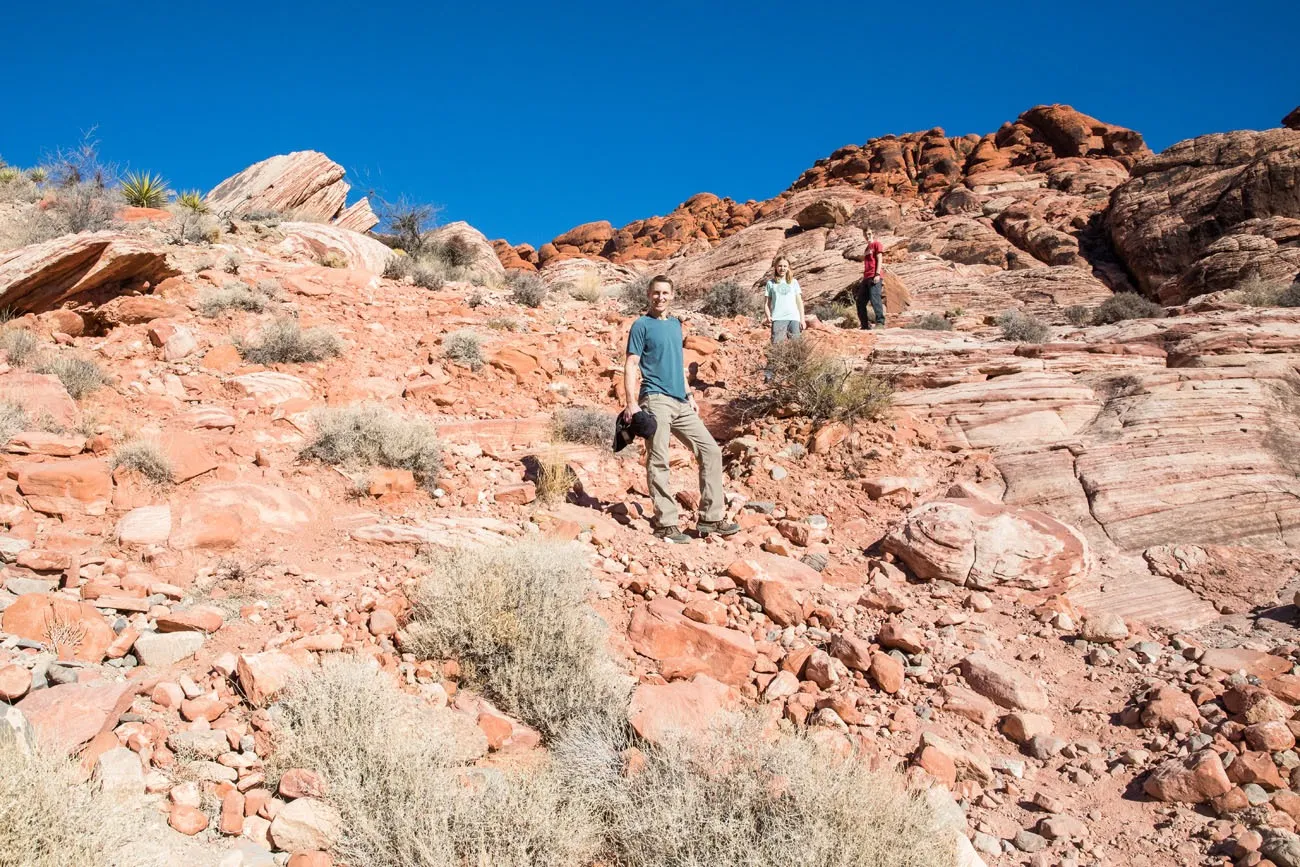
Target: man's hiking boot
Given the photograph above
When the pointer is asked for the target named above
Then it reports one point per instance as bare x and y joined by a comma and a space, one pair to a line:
673, 535
716, 528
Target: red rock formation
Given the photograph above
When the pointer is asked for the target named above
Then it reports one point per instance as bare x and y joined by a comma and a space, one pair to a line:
40, 276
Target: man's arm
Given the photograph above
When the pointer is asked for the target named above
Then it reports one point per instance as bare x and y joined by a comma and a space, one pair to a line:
631, 385
880, 263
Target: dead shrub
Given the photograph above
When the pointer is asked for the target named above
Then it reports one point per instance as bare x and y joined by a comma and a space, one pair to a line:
1022, 327
632, 295
736, 794
554, 480
729, 299
51, 817
146, 458
397, 773
593, 427
802, 376
285, 342
373, 436
80, 376
464, 347
517, 620
1125, 305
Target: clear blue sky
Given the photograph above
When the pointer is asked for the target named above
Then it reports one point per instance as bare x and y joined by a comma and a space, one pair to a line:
527, 119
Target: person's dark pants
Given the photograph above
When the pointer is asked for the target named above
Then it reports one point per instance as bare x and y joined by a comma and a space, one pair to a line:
873, 292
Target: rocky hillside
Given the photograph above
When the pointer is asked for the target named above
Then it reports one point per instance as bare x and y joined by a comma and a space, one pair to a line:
1049, 588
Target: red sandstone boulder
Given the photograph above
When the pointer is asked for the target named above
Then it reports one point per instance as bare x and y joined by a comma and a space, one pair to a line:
41, 276
1194, 780
657, 709
685, 648
74, 629
67, 715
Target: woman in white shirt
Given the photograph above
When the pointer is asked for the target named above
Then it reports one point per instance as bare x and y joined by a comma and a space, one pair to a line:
783, 302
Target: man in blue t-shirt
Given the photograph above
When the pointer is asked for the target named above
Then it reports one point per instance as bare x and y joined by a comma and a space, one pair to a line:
654, 380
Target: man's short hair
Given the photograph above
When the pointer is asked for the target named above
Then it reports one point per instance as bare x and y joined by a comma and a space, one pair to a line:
658, 278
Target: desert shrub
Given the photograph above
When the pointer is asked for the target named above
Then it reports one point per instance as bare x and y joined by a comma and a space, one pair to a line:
1078, 314
828, 311
232, 263
372, 436
587, 287
10, 174
737, 794
1256, 292
505, 323
334, 259
1290, 296
285, 342
13, 419
1023, 327
428, 273
51, 817
397, 773
409, 224
475, 300
80, 376
517, 620
553, 478
931, 322
728, 299
146, 458
19, 345
398, 267
527, 288
456, 251
144, 190
1125, 305
801, 375
464, 347
632, 294
265, 216
238, 296
594, 427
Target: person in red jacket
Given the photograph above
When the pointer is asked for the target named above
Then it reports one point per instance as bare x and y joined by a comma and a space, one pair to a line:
872, 287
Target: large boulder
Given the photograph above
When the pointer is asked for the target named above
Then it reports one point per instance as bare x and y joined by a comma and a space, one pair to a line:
305, 184
91, 265
1179, 203
75, 630
484, 261
986, 545
314, 242
685, 648
688, 706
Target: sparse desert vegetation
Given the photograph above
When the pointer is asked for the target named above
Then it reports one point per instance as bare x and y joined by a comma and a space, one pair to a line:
464, 347
1022, 327
803, 376
516, 618
373, 436
527, 289
146, 458
284, 341
728, 299
931, 322
80, 376
593, 427
1125, 305
235, 295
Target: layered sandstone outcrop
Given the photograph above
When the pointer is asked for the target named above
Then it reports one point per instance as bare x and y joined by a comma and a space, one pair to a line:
306, 184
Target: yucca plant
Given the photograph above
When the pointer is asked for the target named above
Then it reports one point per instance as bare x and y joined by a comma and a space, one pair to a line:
9, 174
38, 175
145, 190
192, 200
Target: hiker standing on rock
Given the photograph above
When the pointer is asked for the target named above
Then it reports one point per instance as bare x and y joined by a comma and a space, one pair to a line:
872, 287
783, 302
654, 381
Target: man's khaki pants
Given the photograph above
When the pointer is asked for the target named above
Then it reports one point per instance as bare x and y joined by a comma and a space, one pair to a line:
676, 417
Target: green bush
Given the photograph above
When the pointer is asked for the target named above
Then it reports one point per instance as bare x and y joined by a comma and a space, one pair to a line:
931, 322
527, 289
803, 377
516, 618
372, 436
285, 342
728, 299
464, 347
1022, 327
146, 458
1125, 305
192, 201
1078, 314
398, 774
145, 190
80, 376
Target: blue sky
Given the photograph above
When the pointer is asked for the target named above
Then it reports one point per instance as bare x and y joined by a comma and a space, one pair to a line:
527, 119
